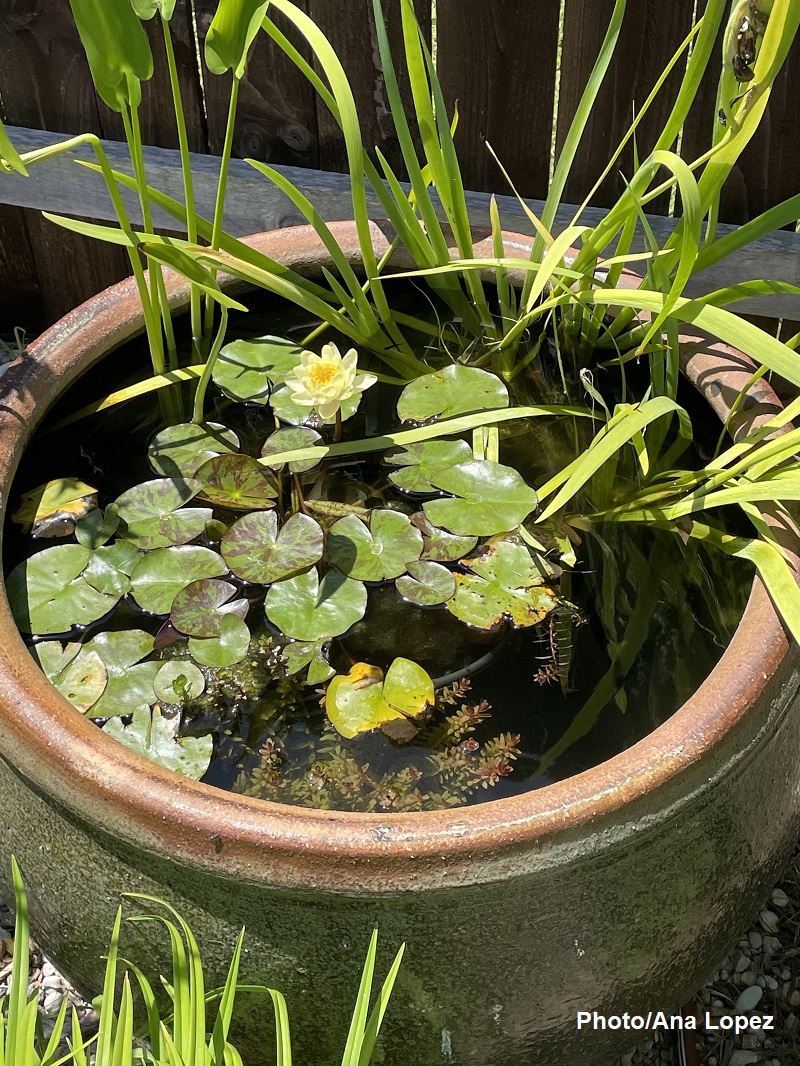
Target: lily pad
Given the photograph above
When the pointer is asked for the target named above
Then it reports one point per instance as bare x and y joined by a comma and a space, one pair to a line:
110, 567
296, 414
300, 654
155, 736
97, 527
257, 551
305, 608
48, 593
491, 499
456, 390
362, 699
440, 546
426, 584
177, 680
246, 368
383, 549
179, 451
155, 515
505, 585
419, 461
53, 508
130, 681
162, 573
228, 648
237, 482
288, 439
199, 608
78, 673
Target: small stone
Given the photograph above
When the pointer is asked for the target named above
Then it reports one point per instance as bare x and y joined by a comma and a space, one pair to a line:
756, 939
705, 997
742, 964
749, 977
770, 920
712, 1060
743, 1058
761, 982
772, 945
779, 897
626, 1060
771, 983
794, 998
748, 999
752, 1041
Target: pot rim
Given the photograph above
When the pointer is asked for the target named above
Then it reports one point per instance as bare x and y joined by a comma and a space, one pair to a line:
145, 805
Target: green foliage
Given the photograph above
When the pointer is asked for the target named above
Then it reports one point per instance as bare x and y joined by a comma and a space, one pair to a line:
117, 49
200, 607
50, 592
246, 369
256, 550
456, 390
227, 648
504, 583
376, 551
487, 498
305, 608
155, 736
426, 584
179, 451
154, 514
162, 573
419, 462
237, 482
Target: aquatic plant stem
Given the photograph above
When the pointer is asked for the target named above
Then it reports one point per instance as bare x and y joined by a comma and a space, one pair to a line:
205, 378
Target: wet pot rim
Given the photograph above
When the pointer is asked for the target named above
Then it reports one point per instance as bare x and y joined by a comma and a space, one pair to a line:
88, 773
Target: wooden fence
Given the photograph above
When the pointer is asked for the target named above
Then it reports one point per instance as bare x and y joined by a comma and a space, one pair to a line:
498, 58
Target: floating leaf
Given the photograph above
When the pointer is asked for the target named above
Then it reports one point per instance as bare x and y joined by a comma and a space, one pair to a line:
237, 482
245, 369
426, 584
161, 574
296, 414
300, 654
52, 509
53, 658
155, 515
284, 440
305, 608
376, 552
120, 649
179, 451
420, 460
256, 551
77, 672
439, 545
130, 682
362, 700
228, 648
97, 527
505, 584
493, 499
198, 609
110, 567
48, 593
155, 736
178, 680
456, 390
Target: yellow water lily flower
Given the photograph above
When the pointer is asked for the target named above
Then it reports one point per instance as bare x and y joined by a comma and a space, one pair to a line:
325, 381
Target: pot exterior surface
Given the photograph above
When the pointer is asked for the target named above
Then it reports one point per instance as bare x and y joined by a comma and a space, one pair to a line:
617, 891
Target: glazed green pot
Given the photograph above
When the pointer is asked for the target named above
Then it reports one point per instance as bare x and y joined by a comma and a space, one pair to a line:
615, 890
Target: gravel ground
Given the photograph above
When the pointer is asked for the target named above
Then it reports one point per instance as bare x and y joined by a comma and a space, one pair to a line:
760, 975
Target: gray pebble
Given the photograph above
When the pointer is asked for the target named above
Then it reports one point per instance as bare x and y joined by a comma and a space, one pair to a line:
748, 999
779, 897
756, 939
743, 1058
770, 920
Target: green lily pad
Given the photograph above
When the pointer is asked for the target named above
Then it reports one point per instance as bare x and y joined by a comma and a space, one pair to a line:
362, 699
493, 499
246, 368
48, 593
53, 657
179, 451
456, 390
505, 585
155, 736
300, 654
305, 608
426, 584
97, 527
228, 648
419, 461
130, 681
288, 439
121, 649
257, 551
296, 414
198, 609
383, 549
162, 573
237, 482
178, 680
440, 546
155, 516
78, 673
110, 567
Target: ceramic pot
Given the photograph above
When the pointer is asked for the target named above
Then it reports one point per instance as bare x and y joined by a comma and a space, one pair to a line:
615, 890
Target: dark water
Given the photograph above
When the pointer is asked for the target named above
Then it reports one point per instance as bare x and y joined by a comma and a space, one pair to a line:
689, 604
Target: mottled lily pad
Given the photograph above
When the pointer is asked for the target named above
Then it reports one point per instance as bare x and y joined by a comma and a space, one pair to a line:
78, 673
305, 608
375, 552
155, 515
155, 736
162, 573
490, 499
237, 482
288, 439
52, 509
362, 699
257, 551
419, 461
505, 584
177, 680
246, 368
440, 546
97, 527
456, 390
110, 567
199, 608
300, 654
228, 648
48, 593
179, 451
426, 584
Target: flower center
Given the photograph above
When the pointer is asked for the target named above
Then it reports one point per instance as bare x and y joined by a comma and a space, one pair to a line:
322, 373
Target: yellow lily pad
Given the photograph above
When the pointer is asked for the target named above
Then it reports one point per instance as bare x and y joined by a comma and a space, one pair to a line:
362, 699
60, 502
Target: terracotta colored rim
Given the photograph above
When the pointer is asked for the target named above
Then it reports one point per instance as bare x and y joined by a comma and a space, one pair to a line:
86, 771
